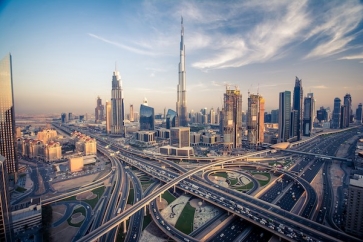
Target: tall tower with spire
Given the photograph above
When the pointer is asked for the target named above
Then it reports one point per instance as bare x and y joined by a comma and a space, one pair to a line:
117, 105
181, 103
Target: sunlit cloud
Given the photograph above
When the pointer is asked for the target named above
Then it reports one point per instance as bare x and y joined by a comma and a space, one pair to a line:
352, 57
319, 87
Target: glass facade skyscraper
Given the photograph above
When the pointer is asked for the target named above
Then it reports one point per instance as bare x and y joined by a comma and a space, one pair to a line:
232, 119
298, 106
5, 215
147, 119
336, 114
7, 117
284, 116
171, 119
117, 105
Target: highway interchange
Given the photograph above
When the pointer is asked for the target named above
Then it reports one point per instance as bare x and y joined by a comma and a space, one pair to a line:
249, 209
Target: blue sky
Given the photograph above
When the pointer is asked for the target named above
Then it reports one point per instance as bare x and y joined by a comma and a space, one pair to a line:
64, 52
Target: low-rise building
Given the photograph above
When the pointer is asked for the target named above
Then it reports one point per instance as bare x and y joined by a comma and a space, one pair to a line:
76, 163
52, 151
26, 215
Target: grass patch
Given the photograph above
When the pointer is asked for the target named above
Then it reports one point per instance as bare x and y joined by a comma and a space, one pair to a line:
221, 174
20, 189
233, 181
168, 197
146, 185
98, 191
263, 183
93, 202
185, 220
147, 221
78, 210
245, 187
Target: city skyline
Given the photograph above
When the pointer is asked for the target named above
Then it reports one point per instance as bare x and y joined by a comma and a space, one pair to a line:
60, 48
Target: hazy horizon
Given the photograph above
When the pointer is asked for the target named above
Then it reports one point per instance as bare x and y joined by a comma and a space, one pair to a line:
64, 52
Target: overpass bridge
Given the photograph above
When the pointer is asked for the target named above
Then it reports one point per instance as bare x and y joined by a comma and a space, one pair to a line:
262, 208
325, 157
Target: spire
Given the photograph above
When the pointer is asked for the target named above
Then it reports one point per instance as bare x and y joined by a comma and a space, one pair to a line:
182, 26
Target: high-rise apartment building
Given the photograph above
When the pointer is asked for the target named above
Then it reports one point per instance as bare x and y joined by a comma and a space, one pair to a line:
64, 118
47, 135
308, 116
322, 115
298, 106
358, 114
180, 137
70, 117
108, 117
313, 114
343, 116
117, 105
212, 116
348, 111
232, 119
99, 111
7, 117
354, 217
132, 117
284, 116
255, 120
5, 215
336, 114
181, 103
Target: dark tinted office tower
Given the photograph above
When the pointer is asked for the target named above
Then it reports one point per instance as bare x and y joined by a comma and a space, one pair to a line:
322, 114
275, 116
99, 111
284, 116
64, 118
7, 117
336, 114
5, 215
70, 117
181, 103
293, 125
358, 114
117, 105
348, 106
307, 118
232, 119
343, 117
298, 106
354, 215
147, 119
267, 117
171, 119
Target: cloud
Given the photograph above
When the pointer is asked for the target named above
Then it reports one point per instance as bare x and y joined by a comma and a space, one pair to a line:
319, 87
131, 49
333, 28
352, 57
262, 42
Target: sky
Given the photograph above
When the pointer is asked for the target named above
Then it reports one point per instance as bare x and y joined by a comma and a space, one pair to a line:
64, 52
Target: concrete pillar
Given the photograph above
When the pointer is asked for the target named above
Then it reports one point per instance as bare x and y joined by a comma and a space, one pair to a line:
145, 210
160, 197
174, 189
125, 229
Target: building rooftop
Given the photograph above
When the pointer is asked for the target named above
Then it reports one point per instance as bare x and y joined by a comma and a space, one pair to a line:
357, 181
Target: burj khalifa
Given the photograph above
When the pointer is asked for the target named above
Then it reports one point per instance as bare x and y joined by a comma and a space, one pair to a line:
181, 103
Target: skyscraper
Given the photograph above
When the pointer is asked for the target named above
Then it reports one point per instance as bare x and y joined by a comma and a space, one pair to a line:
308, 116
255, 119
5, 215
336, 114
132, 118
348, 111
108, 117
313, 115
180, 137
117, 105
298, 106
7, 117
232, 119
358, 114
99, 111
275, 116
181, 103
284, 116
147, 120
354, 216
171, 119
